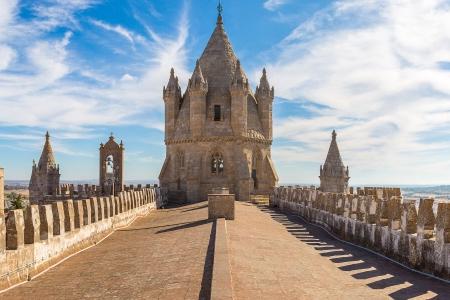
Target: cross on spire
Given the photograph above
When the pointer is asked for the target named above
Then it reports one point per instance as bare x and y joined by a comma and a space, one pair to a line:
219, 11
219, 8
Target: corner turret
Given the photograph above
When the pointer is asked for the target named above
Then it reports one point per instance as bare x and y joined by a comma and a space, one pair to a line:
239, 90
334, 176
197, 82
264, 95
172, 100
198, 88
45, 175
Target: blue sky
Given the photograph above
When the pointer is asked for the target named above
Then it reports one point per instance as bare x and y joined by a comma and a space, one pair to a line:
377, 71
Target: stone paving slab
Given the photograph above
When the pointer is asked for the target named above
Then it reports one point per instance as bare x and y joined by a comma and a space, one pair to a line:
277, 256
160, 256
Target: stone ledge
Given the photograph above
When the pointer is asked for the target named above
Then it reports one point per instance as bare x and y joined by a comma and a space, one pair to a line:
221, 287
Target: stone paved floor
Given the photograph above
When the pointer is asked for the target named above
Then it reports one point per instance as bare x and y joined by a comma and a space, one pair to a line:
161, 256
168, 255
277, 256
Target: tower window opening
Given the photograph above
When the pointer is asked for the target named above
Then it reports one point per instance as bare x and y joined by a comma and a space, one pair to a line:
110, 165
217, 164
180, 160
217, 113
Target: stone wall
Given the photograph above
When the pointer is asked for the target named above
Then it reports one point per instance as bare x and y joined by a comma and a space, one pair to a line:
33, 239
380, 220
82, 191
2, 191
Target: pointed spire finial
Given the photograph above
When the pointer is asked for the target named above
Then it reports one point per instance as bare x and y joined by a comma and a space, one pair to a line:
219, 11
219, 8
172, 72
334, 134
47, 136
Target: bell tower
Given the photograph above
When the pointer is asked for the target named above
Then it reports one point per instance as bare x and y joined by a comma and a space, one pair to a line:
111, 167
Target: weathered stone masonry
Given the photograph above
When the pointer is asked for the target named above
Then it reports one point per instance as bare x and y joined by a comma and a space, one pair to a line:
35, 238
379, 221
219, 132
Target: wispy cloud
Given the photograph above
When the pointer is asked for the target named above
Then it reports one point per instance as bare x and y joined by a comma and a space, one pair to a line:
274, 4
115, 28
46, 81
378, 65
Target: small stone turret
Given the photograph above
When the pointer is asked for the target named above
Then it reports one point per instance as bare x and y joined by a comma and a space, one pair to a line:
264, 95
239, 92
334, 175
45, 175
172, 98
198, 87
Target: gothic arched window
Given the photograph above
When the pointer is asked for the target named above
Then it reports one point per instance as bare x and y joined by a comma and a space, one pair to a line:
217, 164
180, 160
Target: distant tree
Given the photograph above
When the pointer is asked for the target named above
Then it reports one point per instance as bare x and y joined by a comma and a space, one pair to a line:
15, 200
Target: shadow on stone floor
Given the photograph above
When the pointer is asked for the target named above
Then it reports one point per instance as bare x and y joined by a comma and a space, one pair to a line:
196, 208
153, 227
186, 226
205, 292
363, 265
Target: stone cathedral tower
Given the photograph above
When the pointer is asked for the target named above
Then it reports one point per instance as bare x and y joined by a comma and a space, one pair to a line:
334, 175
45, 175
111, 166
218, 133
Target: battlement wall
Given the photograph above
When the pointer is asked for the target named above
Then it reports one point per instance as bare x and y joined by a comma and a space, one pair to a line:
378, 219
82, 191
2, 191
41, 235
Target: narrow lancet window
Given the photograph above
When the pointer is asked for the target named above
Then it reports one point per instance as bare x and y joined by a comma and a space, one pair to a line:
217, 113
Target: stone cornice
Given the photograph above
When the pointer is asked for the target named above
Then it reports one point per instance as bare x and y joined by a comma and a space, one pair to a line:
218, 139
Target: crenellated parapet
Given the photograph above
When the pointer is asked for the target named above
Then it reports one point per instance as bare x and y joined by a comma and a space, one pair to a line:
83, 191
379, 219
34, 238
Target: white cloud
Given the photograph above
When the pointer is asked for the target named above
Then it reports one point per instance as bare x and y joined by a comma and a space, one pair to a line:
377, 65
7, 55
56, 13
127, 77
115, 28
44, 88
274, 4
7, 14
48, 58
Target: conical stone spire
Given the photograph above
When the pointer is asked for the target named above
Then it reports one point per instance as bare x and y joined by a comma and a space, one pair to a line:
334, 159
239, 76
264, 90
173, 81
47, 158
197, 79
263, 82
45, 176
334, 175
218, 61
